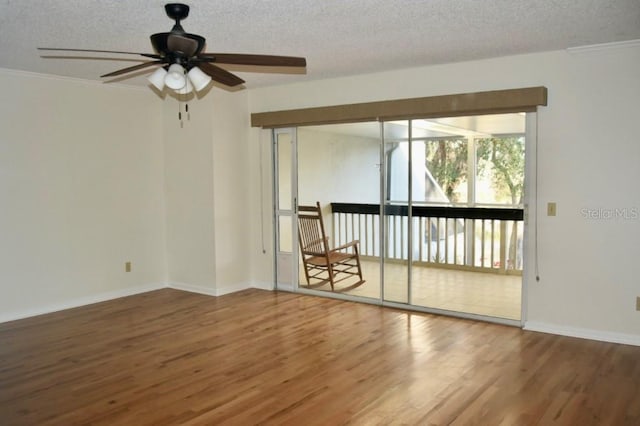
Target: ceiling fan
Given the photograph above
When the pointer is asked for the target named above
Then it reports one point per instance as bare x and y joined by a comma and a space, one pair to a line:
182, 63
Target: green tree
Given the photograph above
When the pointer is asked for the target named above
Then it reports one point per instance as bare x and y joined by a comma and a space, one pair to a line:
503, 158
447, 162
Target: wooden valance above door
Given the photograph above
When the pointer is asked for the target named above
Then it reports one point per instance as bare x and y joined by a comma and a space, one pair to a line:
479, 103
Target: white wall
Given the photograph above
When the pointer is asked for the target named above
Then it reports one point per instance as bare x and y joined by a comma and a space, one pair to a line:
587, 159
260, 216
80, 166
207, 192
399, 178
94, 175
335, 167
232, 190
188, 183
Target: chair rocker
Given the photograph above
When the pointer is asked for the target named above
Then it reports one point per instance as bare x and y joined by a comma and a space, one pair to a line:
322, 264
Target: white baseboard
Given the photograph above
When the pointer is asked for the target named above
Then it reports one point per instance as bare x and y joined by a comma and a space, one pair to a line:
81, 301
262, 285
231, 288
285, 287
192, 288
583, 333
222, 290
130, 291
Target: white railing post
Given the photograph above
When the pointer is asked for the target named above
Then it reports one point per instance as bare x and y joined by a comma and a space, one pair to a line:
503, 246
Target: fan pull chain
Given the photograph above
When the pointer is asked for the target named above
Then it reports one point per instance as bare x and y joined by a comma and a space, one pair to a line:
182, 98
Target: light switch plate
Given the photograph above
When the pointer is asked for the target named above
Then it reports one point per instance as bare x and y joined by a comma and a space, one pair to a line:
551, 209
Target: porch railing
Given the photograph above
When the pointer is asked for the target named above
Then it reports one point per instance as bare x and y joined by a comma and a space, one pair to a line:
475, 238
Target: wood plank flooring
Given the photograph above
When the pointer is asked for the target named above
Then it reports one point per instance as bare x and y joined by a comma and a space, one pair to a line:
256, 357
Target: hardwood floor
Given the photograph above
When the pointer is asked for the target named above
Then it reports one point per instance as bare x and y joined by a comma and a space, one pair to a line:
258, 357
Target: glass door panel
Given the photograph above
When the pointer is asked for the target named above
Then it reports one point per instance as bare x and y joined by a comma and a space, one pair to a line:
339, 167
467, 214
397, 190
285, 194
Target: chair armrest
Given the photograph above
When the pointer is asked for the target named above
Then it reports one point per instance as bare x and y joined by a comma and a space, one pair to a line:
353, 243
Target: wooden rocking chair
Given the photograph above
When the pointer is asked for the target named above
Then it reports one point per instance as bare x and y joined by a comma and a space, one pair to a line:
320, 262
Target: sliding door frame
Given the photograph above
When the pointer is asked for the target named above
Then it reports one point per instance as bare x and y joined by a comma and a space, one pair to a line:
281, 258
494, 102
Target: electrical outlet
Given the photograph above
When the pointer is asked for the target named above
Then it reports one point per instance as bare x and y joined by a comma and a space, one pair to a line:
638, 303
127, 267
551, 209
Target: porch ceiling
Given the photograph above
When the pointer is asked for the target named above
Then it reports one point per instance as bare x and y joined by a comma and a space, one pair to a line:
480, 125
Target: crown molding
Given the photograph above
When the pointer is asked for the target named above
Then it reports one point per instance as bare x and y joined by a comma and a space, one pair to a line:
604, 46
84, 81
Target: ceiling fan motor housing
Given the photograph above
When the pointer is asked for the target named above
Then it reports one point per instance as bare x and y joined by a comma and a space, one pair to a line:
176, 11
177, 46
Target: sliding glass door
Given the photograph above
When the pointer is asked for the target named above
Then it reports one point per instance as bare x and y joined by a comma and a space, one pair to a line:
435, 205
454, 192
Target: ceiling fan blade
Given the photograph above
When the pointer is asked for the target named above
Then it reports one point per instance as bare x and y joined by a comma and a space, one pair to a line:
220, 75
261, 60
59, 49
133, 68
184, 45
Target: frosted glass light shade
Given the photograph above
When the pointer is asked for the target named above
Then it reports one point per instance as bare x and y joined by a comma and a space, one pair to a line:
199, 79
157, 78
175, 78
188, 88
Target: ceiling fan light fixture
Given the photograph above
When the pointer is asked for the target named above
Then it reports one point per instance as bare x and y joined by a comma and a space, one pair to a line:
176, 52
175, 78
157, 78
198, 78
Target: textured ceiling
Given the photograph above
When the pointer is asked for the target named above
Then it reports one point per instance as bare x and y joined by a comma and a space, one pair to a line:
338, 37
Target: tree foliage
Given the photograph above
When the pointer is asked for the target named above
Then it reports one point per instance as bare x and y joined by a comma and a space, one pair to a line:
500, 159
503, 159
447, 162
